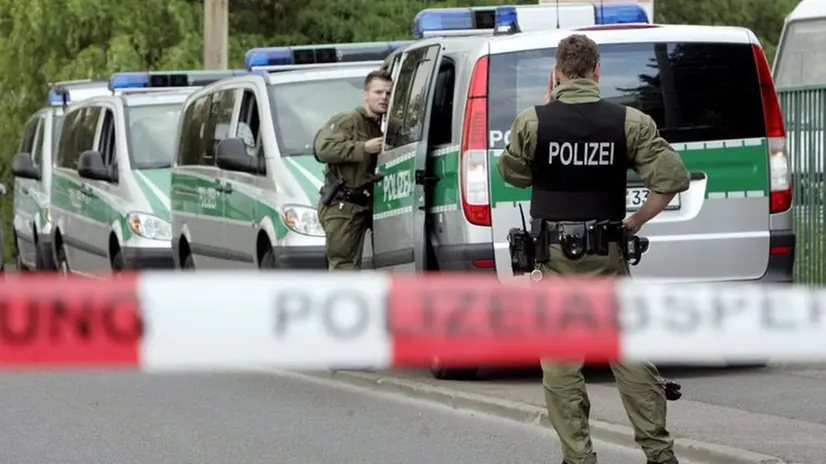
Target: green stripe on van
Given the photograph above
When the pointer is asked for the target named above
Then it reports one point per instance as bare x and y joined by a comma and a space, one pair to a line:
735, 168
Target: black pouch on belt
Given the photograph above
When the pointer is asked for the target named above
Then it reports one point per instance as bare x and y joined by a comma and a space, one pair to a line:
574, 240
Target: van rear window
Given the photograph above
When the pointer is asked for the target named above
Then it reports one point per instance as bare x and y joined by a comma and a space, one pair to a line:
694, 91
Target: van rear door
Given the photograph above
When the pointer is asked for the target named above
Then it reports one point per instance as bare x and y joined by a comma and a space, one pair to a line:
706, 99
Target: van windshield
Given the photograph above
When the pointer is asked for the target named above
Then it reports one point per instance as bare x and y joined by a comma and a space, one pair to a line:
693, 91
801, 59
301, 108
151, 134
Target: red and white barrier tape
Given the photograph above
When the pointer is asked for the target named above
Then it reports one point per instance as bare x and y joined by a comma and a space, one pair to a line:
229, 320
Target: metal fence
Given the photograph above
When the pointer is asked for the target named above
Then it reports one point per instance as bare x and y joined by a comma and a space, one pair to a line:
804, 110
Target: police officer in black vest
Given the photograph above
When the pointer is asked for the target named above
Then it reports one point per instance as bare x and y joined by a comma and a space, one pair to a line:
575, 152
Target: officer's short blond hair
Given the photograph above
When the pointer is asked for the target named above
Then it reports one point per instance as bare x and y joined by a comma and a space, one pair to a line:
577, 56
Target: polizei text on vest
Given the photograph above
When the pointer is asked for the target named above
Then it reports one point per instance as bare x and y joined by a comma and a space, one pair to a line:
582, 153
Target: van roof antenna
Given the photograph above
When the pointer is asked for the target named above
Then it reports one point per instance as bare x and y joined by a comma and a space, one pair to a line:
557, 14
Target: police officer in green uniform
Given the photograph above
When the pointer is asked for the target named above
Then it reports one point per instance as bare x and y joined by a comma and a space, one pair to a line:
575, 152
349, 144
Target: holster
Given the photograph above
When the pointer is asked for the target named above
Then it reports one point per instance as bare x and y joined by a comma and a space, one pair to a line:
541, 241
330, 191
632, 248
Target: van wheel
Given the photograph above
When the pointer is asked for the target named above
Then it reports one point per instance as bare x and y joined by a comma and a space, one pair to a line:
445, 373
117, 262
18, 260
62, 262
453, 374
268, 260
189, 263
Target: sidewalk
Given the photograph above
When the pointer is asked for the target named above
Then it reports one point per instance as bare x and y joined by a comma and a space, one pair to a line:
696, 425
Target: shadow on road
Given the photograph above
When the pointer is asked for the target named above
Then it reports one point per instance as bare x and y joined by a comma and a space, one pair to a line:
603, 374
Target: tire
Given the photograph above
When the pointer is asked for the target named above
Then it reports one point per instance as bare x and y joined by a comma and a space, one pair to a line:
442, 373
189, 263
18, 261
268, 260
446, 373
62, 262
117, 263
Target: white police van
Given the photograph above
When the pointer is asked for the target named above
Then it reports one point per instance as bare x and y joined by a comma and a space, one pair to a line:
245, 183
443, 206
800, 60
110, 184
800, 69
32, 170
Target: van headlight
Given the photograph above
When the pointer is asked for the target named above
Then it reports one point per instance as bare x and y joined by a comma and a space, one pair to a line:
302, 220
149, 226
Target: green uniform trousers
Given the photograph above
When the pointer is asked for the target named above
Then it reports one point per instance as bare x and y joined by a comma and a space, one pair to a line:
345, 225
640, 385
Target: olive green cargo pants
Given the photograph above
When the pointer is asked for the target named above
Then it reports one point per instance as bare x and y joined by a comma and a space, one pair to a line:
345, 226
640, 385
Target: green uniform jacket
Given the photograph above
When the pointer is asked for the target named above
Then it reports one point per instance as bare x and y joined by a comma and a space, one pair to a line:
658, 165
340, 145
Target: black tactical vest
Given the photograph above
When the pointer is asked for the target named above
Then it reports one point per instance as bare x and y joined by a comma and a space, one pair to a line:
580, 164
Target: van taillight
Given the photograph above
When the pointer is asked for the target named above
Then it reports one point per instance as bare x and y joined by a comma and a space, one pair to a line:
473, 162
780, 185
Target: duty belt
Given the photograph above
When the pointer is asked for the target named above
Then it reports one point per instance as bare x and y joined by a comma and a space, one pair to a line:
357, 197
531, 249
587, 238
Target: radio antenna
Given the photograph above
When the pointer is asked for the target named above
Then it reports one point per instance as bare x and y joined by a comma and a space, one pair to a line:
557, 14
522, 214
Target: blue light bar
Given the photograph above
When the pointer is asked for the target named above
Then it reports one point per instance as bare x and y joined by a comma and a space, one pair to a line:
444, 19
164, 79
56, 98
505, 20
320, 54
620, 14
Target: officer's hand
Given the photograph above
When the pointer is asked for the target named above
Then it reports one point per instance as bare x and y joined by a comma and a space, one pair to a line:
373, 145
631, 224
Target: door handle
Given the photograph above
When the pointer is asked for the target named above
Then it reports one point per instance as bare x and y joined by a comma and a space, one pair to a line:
86, 190
226, 188
25, 190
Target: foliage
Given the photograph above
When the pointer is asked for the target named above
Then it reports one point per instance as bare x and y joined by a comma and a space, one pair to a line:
43, 41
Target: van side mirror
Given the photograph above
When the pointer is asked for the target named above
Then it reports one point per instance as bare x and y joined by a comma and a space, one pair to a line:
232, 155
90, 166
22, 166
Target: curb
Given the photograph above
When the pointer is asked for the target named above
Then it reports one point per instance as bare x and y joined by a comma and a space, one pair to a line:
527, 413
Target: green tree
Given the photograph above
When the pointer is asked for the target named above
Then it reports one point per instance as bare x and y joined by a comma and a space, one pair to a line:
43, 41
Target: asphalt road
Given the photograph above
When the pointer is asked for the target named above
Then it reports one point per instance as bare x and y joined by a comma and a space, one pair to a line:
252, 418
779, 410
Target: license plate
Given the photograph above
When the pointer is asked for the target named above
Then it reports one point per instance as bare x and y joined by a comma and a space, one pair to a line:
635, 198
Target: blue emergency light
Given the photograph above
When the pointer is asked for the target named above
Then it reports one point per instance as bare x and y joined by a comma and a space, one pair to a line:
620, 14
320, 54
502, 18
162, 79
56, 97
505, 20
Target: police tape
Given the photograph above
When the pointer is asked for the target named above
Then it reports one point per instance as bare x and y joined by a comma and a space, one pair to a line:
216, 321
